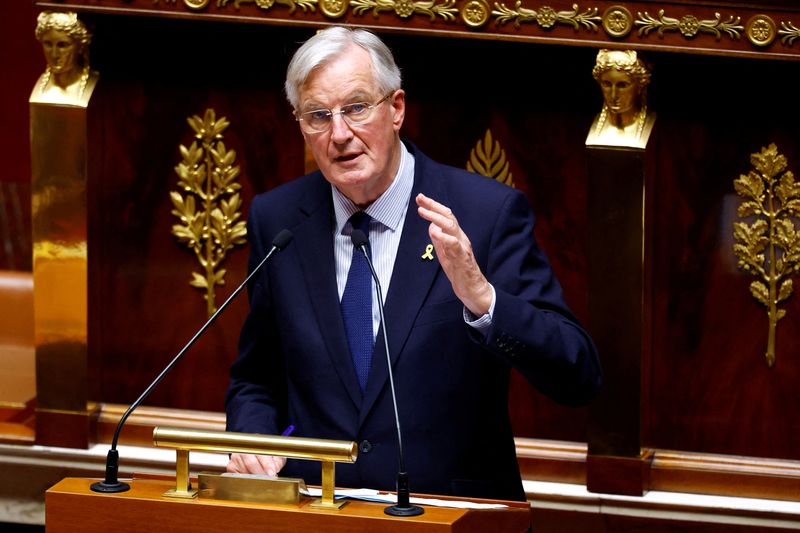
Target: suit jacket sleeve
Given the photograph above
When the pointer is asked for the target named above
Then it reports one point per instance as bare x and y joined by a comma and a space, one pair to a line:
532, 328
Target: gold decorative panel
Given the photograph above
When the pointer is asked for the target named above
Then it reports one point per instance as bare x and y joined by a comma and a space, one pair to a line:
768, 243
209, 207
489, 159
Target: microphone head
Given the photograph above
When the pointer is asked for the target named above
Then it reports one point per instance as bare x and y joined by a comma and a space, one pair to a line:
282, 239
358, 238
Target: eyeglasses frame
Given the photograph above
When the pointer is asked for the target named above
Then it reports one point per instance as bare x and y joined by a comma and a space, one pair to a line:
331, 114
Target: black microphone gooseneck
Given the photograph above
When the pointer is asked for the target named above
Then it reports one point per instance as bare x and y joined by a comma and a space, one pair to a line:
403, 507
111, 482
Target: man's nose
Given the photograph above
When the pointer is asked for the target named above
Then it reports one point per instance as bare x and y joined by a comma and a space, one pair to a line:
340, 129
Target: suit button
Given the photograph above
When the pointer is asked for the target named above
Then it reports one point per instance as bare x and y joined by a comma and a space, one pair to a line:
365, 446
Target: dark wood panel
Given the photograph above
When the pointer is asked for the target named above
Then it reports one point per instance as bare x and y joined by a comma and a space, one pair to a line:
24, 66
710, 387
144, 310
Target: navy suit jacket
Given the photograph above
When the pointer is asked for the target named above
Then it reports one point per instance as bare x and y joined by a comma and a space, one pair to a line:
294, 365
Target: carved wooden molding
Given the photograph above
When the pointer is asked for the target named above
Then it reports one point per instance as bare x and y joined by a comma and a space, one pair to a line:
723, 29
670, 471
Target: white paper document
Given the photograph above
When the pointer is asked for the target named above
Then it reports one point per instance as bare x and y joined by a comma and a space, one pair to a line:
372, 495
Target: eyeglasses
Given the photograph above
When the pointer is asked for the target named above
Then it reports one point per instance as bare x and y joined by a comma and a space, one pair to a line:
320, 120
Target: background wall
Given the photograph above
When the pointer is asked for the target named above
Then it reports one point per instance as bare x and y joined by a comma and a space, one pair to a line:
707, 387
23, 62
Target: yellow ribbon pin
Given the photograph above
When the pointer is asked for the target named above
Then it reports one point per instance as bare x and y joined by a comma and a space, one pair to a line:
428, 255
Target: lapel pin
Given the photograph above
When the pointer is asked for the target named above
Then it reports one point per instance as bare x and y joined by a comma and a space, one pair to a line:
428, 253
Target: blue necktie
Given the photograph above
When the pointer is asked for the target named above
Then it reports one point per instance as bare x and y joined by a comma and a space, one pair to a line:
357, 305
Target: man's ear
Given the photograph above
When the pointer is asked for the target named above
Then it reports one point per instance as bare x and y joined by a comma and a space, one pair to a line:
398, 102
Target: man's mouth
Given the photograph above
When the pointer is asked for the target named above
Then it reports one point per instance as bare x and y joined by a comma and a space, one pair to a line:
347, 157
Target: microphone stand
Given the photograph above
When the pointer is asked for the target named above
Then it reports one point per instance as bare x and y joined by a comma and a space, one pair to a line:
111, 483
403, 506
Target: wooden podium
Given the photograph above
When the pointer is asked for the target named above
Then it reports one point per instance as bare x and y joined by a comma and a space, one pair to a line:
70, 505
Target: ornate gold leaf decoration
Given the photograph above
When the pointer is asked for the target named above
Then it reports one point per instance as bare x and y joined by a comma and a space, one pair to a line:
196, 4
788, 33
475, 13
761, 30
405, 8
547, 17
689, 25
334, 8
617, 21
489, 159
769, 247
207, 176
305, 5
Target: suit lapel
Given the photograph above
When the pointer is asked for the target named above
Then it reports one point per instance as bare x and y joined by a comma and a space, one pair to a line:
315, 242
412, 277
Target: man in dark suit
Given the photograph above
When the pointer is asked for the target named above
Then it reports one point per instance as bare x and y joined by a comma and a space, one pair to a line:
469, 295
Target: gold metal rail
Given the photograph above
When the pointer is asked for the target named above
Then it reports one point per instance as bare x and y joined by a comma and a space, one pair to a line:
184, 440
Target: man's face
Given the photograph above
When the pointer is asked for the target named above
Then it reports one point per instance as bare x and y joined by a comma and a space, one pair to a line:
59, 51
359, 160
619, 91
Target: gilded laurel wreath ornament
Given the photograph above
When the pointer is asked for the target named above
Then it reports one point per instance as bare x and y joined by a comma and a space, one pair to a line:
769, 246
489, 159
406, 8
305, 5
546, 16
689, 25
210, 207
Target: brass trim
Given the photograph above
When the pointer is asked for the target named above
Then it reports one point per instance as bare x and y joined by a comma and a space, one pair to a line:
196, 5
405, 8
305, 5
334, 8
184, 440
395, 15
761, 30
232, 442
689, 25
475, 13
547, 17
788, 33
617, 21
257, 489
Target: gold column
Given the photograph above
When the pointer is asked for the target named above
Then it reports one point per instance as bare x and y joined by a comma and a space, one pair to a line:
58, 115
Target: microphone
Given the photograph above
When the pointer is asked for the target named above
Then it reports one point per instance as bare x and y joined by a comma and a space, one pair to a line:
111, 483
403, 507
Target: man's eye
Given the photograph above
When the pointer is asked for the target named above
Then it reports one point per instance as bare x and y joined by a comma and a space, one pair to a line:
320, 114
356, 109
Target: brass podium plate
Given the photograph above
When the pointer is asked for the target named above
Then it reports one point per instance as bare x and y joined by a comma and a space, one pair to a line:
250, 488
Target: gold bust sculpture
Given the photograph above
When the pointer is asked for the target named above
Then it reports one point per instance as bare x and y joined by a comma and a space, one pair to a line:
624, 119
68, 78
